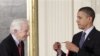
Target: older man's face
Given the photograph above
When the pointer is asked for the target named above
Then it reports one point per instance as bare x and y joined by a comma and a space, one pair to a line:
24, 32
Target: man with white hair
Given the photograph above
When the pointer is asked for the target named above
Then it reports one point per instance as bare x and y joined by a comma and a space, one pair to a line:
13, 44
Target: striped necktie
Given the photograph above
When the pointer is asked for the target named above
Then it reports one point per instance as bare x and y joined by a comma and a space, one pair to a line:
20, 49
82, 39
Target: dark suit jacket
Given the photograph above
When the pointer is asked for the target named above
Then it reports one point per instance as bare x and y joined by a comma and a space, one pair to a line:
91, 46
8, 47
63, 54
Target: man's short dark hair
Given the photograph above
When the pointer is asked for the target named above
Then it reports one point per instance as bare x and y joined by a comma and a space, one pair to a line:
89, 11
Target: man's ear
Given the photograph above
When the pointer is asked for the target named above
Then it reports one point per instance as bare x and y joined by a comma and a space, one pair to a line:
90, 19
15, 30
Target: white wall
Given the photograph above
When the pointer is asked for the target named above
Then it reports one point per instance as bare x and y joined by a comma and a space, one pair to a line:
57, 22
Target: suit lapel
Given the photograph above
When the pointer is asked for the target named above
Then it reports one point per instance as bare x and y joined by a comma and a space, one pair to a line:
90, 36
13, 45
77, 38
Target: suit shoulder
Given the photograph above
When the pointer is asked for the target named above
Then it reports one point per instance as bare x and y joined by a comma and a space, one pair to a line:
98, 31
6, 41
63, 53
77, 34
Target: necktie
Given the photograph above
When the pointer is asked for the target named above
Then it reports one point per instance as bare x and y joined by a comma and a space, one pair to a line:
20, 48
57, 54
82, 39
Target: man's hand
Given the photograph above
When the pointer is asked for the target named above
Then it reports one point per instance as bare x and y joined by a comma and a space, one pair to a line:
71, 47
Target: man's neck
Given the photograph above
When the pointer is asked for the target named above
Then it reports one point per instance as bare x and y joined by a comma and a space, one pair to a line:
89, 26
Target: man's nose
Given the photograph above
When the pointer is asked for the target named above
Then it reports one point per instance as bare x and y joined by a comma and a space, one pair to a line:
28, 33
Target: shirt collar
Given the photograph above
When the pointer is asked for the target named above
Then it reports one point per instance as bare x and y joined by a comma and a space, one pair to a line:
89, 30
59, 52
15, 39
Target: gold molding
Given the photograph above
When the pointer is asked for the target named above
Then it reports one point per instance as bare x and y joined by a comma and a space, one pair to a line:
32, 16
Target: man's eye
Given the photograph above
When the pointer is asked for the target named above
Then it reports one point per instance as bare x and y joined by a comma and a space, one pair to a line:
80, 18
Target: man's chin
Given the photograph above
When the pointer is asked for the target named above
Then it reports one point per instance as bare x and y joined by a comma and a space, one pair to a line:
24, 39
81, 28
55, 49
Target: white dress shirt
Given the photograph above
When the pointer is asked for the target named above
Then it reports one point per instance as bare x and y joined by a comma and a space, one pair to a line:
88, 31
15, 39
59, 53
